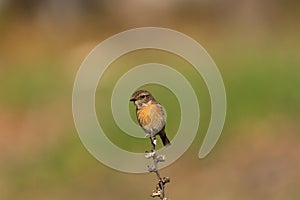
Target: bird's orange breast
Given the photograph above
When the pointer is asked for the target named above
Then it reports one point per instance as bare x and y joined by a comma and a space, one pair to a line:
143, 115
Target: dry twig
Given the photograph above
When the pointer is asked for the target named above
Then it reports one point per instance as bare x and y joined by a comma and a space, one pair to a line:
160, 186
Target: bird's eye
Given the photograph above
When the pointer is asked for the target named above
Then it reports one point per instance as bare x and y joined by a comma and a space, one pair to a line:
142, 96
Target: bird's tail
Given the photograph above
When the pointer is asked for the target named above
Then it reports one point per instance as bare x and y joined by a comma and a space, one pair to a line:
164, 138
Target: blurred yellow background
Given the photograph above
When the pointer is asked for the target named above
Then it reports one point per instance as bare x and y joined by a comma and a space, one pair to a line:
256, 46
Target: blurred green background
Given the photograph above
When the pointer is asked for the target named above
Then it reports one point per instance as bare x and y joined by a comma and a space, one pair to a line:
256, 46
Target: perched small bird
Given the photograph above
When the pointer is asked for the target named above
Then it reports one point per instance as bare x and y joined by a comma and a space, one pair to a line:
150, 115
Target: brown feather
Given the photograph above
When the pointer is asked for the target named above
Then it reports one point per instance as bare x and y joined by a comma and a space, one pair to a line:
163, 136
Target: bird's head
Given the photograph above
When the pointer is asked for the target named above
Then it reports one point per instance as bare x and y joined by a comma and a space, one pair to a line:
142, 98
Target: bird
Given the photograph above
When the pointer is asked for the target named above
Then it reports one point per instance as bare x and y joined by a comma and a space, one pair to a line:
151, 117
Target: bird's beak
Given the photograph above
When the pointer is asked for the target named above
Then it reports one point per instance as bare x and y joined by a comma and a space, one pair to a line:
133, 99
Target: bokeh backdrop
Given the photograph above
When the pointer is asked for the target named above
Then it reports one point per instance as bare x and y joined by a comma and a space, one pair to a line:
256, 46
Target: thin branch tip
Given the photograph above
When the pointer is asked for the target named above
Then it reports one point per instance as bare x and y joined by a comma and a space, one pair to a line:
160, 186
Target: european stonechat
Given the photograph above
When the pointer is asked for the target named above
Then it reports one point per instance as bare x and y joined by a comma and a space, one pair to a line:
150, 115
